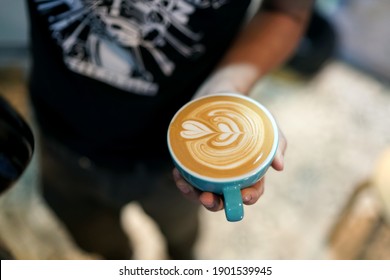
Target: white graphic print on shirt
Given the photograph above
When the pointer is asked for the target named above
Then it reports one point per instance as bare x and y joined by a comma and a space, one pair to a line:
102, 39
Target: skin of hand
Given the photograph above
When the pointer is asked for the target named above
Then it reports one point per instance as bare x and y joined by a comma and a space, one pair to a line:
268, 39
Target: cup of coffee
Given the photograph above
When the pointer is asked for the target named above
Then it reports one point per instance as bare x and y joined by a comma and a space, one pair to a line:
223, 143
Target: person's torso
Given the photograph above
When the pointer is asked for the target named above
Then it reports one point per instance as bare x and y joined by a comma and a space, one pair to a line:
108, 75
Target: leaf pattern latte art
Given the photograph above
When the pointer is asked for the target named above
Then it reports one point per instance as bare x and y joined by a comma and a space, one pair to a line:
223, 135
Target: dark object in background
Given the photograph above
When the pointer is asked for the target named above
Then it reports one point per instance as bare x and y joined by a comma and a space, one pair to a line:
16, 145
316, 47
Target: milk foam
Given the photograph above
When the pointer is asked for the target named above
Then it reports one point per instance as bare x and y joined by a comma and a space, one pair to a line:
223, 135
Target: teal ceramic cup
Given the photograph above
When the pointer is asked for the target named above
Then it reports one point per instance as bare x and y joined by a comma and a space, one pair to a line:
223, 143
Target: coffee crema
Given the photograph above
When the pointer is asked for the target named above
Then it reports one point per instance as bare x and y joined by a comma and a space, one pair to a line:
221, 136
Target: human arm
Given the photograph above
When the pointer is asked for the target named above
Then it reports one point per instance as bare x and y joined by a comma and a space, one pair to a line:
266, 42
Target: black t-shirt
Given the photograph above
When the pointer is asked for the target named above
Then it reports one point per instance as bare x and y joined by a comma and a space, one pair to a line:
108, 75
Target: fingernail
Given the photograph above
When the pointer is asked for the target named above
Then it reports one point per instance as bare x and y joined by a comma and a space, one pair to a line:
176, 173
210, 206
247, 198
281, 162
183, 188
279, 159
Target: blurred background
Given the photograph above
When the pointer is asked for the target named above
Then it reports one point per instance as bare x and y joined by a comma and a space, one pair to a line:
332, 201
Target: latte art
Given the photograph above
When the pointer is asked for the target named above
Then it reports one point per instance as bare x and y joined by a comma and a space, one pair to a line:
221, 136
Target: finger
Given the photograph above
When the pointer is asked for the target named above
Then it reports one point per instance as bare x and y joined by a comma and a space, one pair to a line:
252, 194
278, 162
211, 201
186, 189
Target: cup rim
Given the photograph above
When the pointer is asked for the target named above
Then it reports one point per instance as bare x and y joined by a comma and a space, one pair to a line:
266, 163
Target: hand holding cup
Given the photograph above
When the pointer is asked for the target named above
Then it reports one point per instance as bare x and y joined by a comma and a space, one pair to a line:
222, 145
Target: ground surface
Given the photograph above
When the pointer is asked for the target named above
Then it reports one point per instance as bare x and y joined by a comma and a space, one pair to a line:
337, 125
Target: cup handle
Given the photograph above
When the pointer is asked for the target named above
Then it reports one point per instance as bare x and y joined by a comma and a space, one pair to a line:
234, 209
